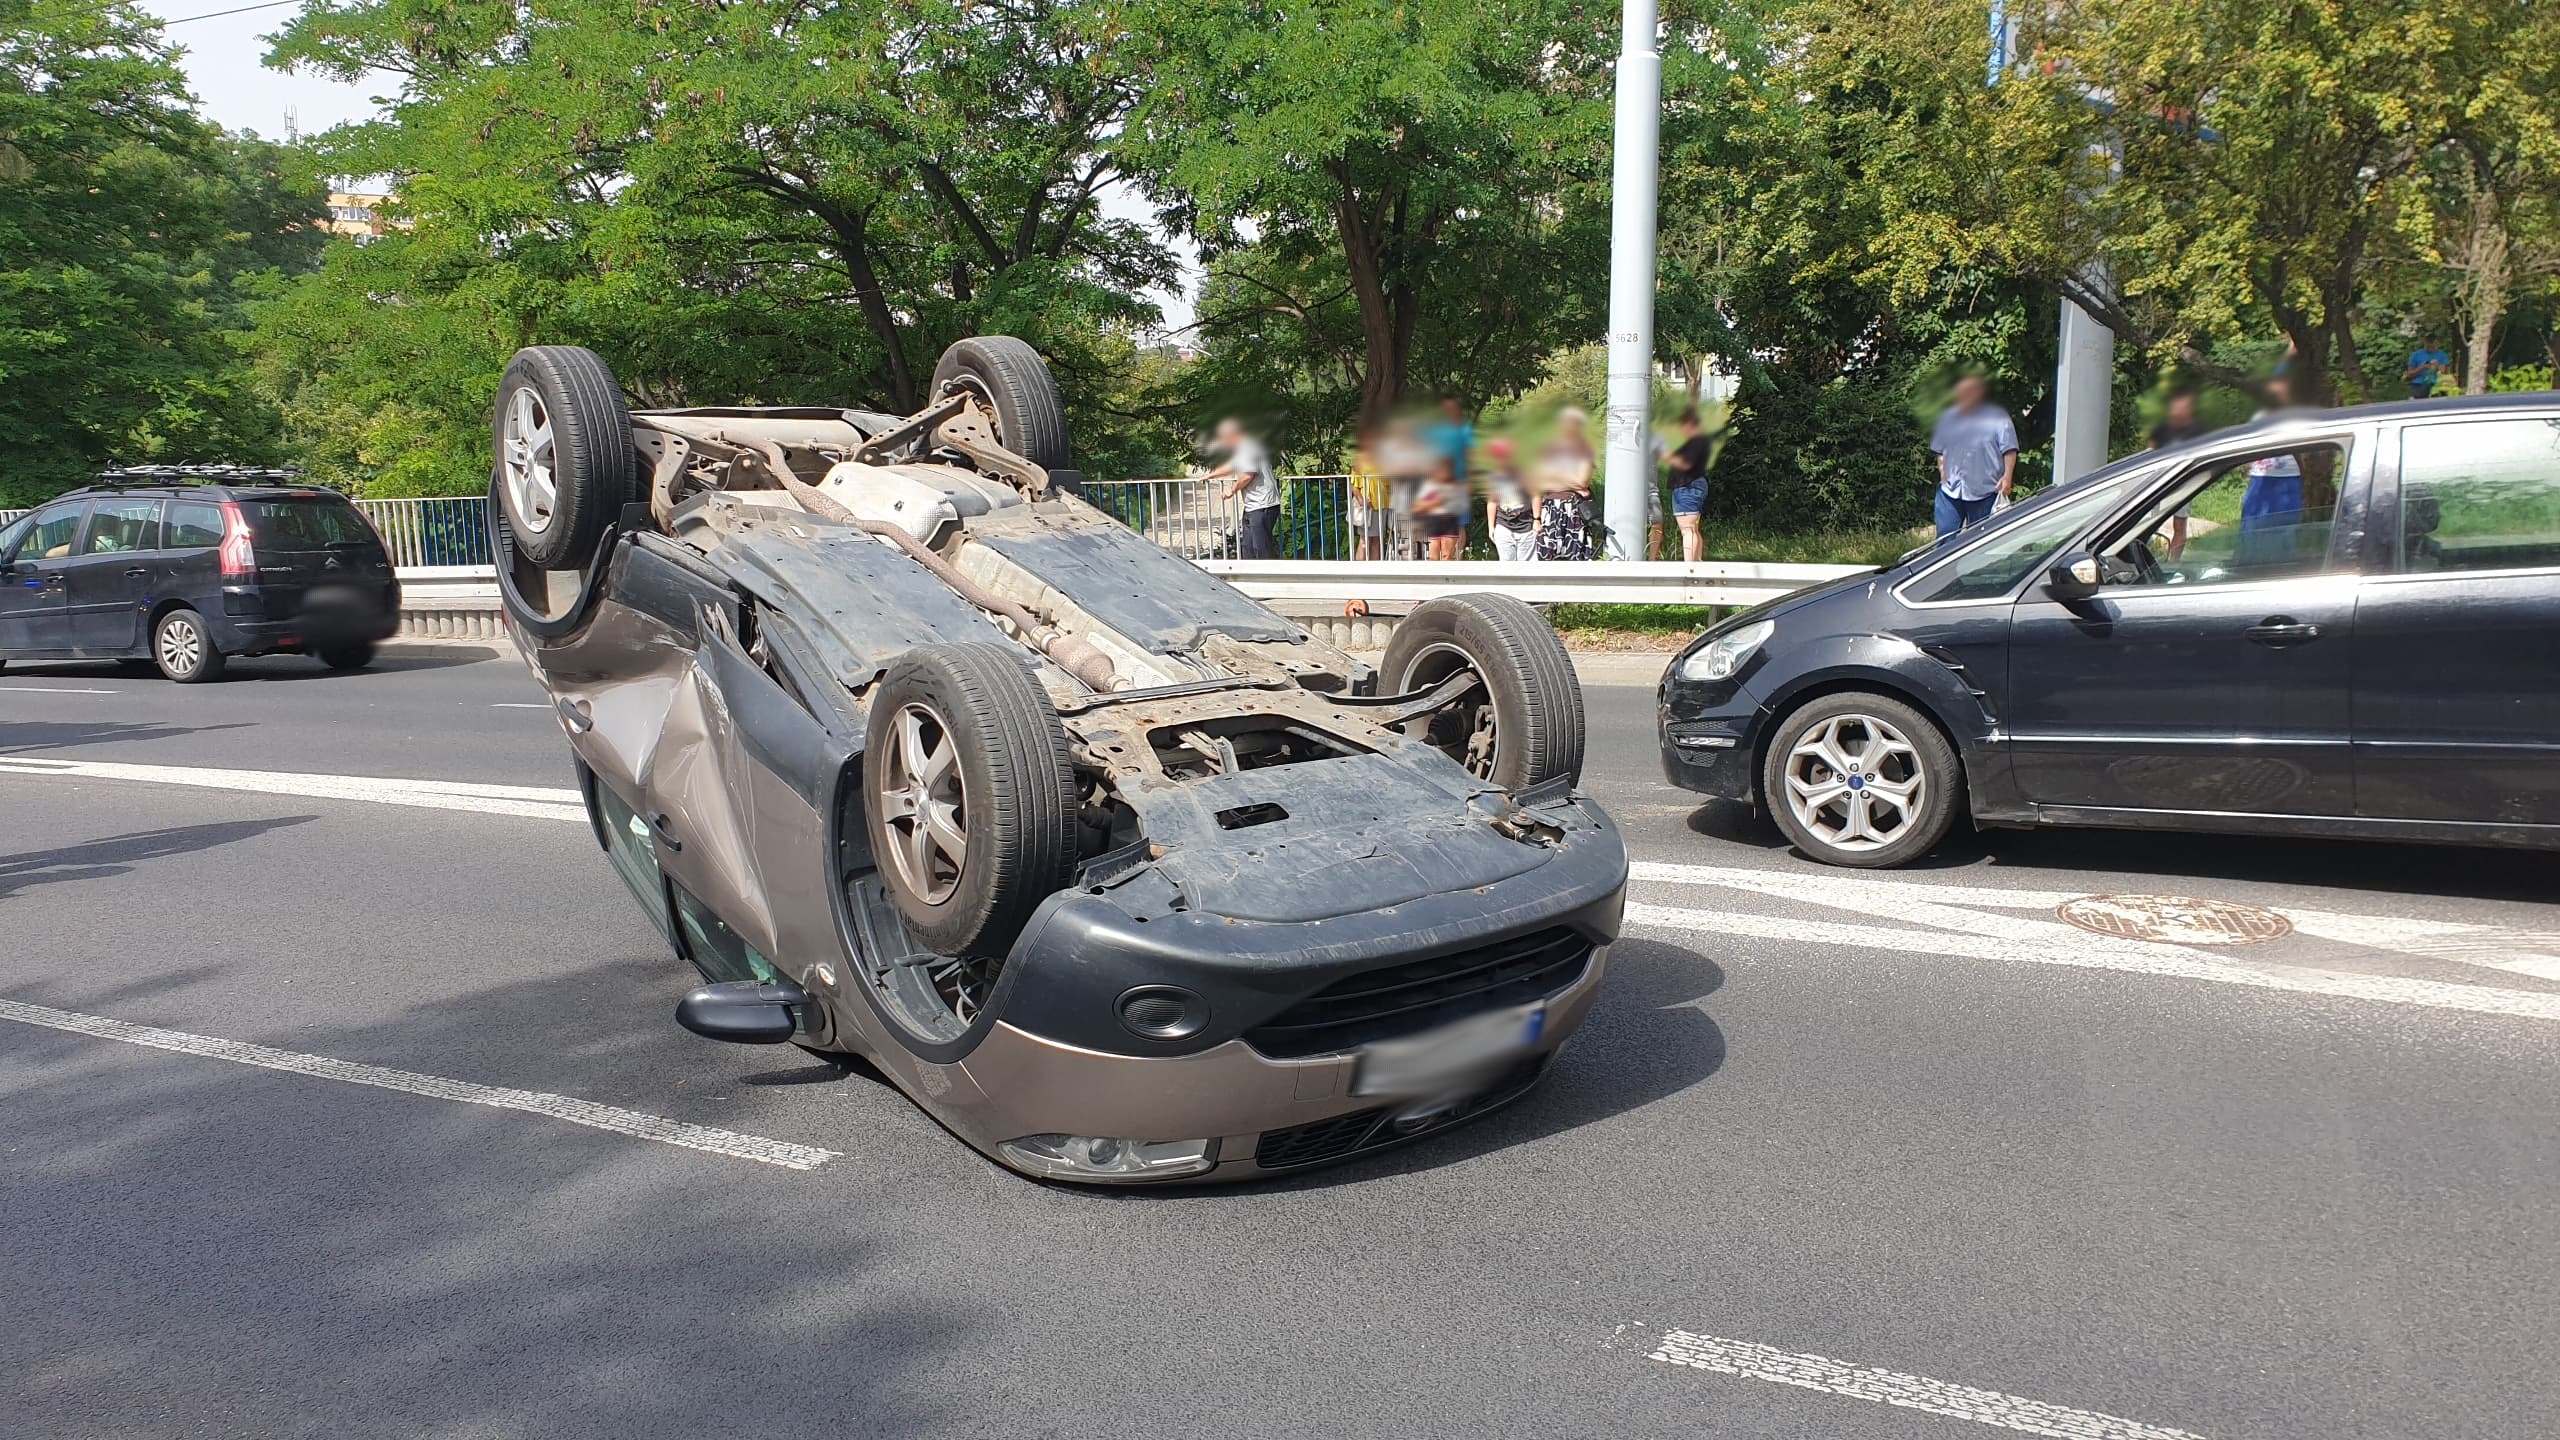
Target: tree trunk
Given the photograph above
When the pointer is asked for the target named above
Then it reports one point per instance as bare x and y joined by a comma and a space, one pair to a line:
853, 243
1386, 319
2484, 290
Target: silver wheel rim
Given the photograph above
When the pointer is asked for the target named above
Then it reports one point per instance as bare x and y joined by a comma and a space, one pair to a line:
923, 805
533, 491
1482, 741
1855, 782
181, 645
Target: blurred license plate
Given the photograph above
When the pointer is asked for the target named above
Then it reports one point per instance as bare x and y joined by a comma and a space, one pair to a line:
338, 597
1449, 1056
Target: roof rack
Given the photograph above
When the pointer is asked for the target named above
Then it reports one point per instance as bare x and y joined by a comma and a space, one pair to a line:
196, 474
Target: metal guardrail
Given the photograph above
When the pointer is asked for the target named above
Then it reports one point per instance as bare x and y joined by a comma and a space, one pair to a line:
1540, 582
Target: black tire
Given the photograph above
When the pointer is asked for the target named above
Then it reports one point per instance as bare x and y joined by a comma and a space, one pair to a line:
354, 655
1896, 832
1535, 698
183, 648
592, 459
1015, 381
1016, 804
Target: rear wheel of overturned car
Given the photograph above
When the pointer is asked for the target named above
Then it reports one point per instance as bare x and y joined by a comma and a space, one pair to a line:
1522, 723
1013, 382
565, 459
1861, 779
970, 801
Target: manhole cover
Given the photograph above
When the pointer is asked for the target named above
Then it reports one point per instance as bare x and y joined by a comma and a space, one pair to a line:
2176, 919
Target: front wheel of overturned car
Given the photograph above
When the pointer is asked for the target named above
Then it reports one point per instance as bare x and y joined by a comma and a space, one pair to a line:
1522, 724
1861, 779
565, 458
1014, 382
970, 801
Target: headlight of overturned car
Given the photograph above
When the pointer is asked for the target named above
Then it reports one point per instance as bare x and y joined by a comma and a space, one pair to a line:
1087, 1157
1722, 657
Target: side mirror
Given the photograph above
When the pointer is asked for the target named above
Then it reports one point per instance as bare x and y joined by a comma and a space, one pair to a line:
742, 1012
2073, 578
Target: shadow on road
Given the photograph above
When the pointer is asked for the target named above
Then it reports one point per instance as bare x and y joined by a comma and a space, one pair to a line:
27, 737
118, 854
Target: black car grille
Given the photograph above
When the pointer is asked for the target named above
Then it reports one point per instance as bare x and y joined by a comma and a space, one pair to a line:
1323, 1140
1401, 999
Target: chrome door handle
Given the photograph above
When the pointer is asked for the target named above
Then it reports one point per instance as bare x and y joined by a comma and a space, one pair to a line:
2282, 630
576, 715
137, 569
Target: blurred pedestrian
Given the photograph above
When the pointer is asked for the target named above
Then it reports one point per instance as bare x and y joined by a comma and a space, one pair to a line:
1454, 436
1977, 450
2271, 506
1441, 507
2428, 367
1368, 500
1688, 465
1247, 471
1510, 515
2179, 424
1564, 477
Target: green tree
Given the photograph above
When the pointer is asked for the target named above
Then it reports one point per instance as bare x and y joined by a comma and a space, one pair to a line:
131, 235
757, 201
1415, 175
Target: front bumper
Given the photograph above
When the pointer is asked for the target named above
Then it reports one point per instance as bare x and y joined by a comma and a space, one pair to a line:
1295, 1008
1267, 1116
1710, 739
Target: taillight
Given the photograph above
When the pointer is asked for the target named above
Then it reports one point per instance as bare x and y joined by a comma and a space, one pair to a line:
239, 557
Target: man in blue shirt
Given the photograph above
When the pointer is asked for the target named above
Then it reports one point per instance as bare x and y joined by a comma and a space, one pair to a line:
1977, 450
2427, 366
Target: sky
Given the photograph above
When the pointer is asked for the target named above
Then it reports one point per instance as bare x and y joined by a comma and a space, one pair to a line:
221, 55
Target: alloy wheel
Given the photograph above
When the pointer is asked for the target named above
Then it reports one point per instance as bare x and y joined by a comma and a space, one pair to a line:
924, 805
1855, 782
181, 645
533, 489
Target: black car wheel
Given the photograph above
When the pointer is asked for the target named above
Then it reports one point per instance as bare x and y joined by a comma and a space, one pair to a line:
565, 459
1861, 779
970, 803
1014, 382
1523, 726
184, 650
353, 656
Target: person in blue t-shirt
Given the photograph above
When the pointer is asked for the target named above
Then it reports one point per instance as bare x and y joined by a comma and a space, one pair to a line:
1977, 450
2427, 367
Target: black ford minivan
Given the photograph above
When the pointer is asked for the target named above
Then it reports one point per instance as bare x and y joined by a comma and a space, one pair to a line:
2329, 623
186, 566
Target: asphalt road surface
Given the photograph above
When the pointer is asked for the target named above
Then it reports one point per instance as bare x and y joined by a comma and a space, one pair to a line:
345, 1100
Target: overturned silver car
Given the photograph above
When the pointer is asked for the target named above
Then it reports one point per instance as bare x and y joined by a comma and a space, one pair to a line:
917, 757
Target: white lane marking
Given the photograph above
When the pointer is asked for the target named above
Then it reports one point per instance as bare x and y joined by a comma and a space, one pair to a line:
1910, 1392
2097, 952
56, 690
558, 1107
541, 802
516, 705
2520, 952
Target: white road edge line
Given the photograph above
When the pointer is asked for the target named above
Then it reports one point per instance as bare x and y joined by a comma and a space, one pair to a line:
1910, 1392
541, 802
2131, 956
558, 1107
2492, 947
55, 690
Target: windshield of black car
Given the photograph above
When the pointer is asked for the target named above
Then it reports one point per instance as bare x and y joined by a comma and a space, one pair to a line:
316, 523
1995, 565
